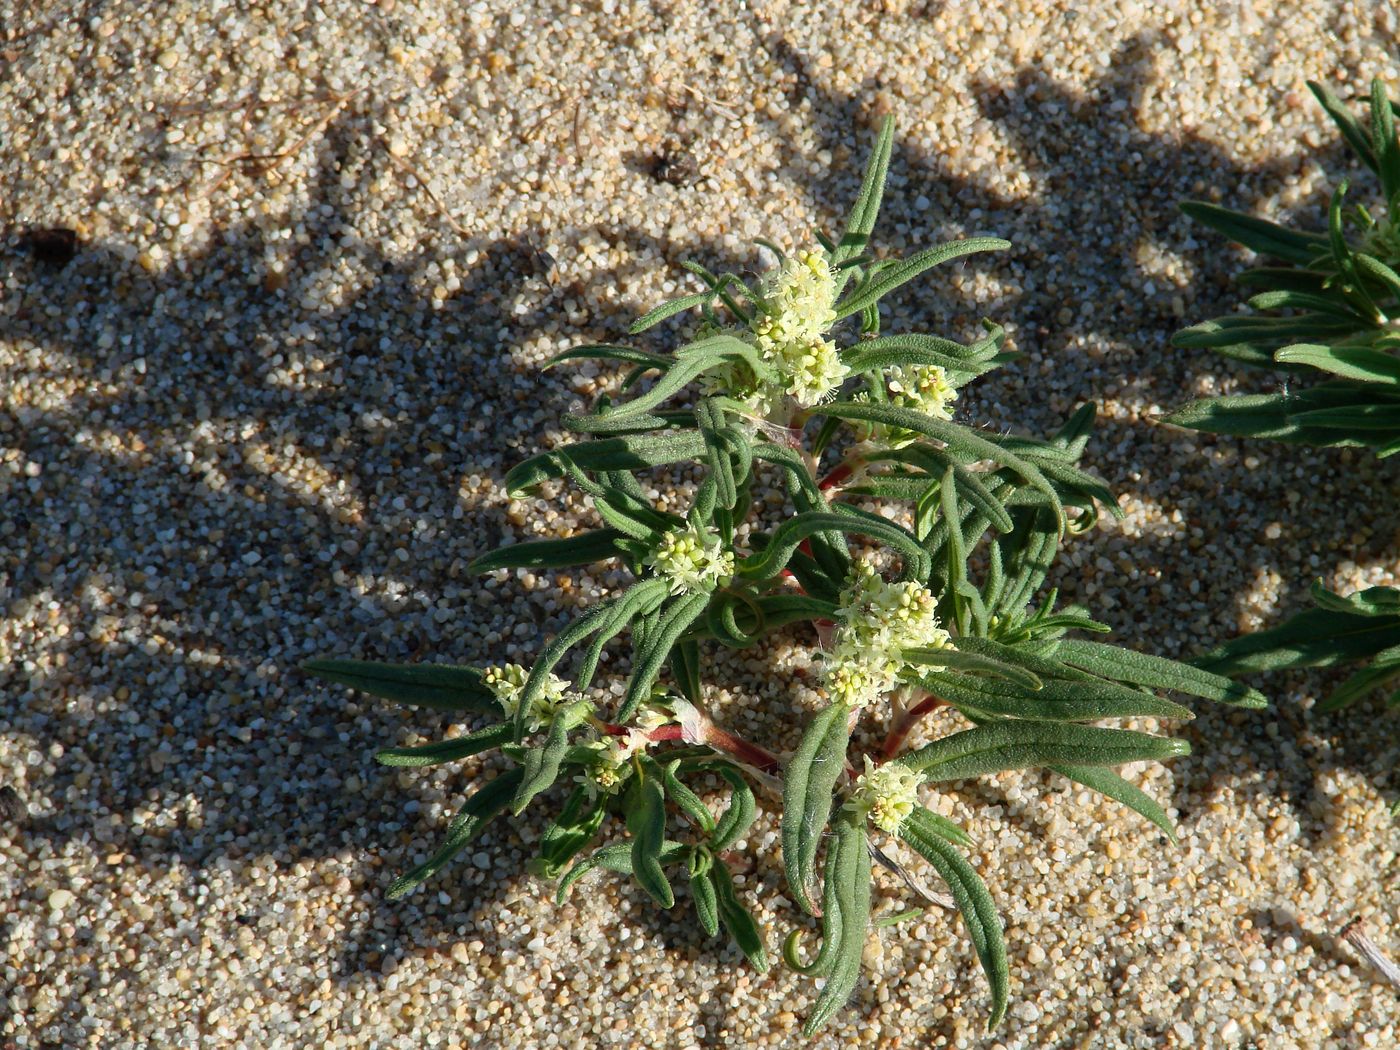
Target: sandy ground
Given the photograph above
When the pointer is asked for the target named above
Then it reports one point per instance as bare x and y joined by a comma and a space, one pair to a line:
263, 413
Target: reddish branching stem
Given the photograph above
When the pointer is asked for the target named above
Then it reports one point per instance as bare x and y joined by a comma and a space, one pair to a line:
750, 754
838, 474
905, 724
713, 736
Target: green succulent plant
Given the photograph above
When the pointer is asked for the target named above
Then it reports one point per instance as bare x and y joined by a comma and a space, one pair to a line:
913, 559
1327, 309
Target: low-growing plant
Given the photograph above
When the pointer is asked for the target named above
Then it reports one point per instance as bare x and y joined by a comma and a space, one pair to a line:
1327, 306
913, 557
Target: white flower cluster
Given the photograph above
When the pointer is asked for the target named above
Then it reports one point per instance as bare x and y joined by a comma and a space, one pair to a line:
801, 297
693, 559
607, 773
887, 794
879, 621
924, 388
508, 682
789, 335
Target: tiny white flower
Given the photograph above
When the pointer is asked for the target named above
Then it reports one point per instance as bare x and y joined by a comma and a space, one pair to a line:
803, 293
693, 559
508, 682
887, 794
878, 622
924, 388
857, 677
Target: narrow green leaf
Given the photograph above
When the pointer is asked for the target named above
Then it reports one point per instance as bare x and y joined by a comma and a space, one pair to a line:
584, 549
808, 783
541, 764
974, 903
447, 750
687, 800
632, 452
1156, 672
1018, 745
738, 816
702, 891
1054, 701
445, 687
867, 206
615, 858
869, 293
669, 309
1108, 783
1361, 363
649, 656
1348, 125
607, 352
845, 919
1258, 235
736, 918
569, 833
646, 821
485, 804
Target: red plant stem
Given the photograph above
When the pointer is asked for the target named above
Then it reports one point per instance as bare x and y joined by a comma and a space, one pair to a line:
838, 474
750, 754
720, 739
902, 728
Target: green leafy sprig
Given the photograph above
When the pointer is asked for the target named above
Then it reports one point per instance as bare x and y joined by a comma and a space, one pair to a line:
1328, 308
914, 559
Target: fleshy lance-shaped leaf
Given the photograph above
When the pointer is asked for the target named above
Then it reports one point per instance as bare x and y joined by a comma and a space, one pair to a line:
541, 764
1155, 672
575, 827
1018, 745
441, 686
447, 750
702, 890
650, 653
646, 820
845, 919
584, 549
1313, 638
488, 802
790, 534
1259, 235
1108, 783
974, 903
1347, 124
616, 858
1055, 701
808, 783
736, 918
957, 438
867, 206
631, 452
736, 819
1349, 362
890, 278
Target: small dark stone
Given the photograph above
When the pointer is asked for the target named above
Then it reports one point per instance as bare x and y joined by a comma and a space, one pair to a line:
12, 807
54, 246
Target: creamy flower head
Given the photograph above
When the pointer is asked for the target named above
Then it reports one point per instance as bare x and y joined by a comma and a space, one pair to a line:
508, 682
802, 291
878, 622
887, 794
924, 388
693, 559
889, 617
857, 677
809, 367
